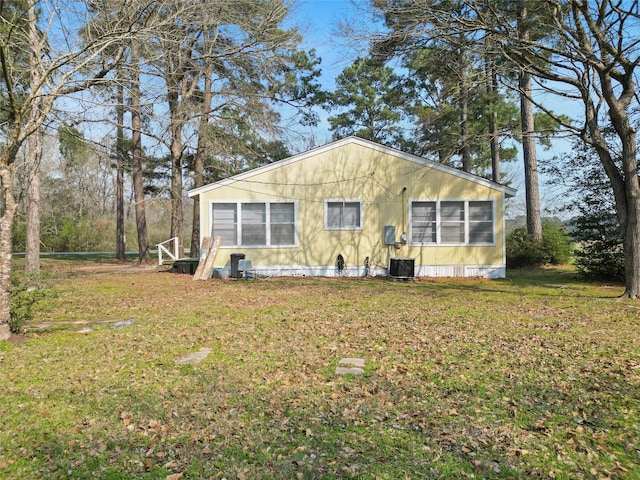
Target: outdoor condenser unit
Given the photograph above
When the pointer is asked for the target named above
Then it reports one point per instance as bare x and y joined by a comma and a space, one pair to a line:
401, 267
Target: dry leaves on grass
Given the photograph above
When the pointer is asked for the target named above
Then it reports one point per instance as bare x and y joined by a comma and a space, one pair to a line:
468, 376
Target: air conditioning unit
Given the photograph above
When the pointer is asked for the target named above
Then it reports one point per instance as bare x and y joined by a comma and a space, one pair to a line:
401, 267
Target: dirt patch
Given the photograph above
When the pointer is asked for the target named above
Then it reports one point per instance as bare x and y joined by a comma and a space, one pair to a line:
17, 339
111, 268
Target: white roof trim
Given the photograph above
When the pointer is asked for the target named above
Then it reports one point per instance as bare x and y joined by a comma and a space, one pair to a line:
364, 143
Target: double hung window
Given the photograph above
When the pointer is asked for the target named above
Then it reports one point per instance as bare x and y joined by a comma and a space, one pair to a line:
480, 222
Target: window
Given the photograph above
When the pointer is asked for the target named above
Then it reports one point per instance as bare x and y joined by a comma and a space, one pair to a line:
452, 222
423, 225
460, 222
480, 222
225, 222
254, 223
340, 215
283, 224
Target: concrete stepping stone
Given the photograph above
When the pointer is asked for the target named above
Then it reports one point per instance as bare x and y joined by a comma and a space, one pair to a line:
121, 324
350, 366
195, 357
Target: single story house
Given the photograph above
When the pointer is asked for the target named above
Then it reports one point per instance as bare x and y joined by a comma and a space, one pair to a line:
354, 207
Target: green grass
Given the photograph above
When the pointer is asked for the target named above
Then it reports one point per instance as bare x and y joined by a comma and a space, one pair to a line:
534, 376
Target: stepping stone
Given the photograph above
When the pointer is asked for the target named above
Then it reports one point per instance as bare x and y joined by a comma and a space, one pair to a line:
122, 324
195, 357
350, 366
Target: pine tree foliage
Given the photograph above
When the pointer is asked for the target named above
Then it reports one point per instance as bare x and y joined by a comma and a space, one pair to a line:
371, 97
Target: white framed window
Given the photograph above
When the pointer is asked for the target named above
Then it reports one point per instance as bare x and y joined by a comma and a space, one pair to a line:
283, 224
481, 222
225, 222
451, 222
423, 222
254, 224
343, 215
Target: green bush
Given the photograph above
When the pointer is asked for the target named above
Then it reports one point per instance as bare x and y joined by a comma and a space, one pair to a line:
521, 251
24, 296
598, 259
84, 235
600, 253
555, 249
557, 243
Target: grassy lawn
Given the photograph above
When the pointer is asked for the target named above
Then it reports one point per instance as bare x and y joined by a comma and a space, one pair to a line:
535, 376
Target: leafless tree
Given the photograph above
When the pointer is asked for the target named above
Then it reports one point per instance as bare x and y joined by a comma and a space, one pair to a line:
120, 168
67, 64
213, 60
137, 171
34, 155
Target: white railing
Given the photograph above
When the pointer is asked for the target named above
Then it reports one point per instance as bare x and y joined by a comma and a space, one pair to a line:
163, 249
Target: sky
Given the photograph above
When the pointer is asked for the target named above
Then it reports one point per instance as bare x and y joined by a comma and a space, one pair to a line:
318, 22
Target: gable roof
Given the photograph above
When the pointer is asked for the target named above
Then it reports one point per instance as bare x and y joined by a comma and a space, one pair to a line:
508, 191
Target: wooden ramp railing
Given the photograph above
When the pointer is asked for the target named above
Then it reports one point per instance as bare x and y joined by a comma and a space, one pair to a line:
163, 248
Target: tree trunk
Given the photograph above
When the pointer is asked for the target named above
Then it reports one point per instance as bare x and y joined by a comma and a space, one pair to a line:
120, 154
32, 247
7, 210
136, 158
532, 193
625, 183
464, 113
177, 220
198, 168
631, 224
631, 245
195, 229
626, 191
494, 134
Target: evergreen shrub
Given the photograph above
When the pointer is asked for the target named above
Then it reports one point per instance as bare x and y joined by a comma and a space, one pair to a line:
24, 297
555, 249
600, 253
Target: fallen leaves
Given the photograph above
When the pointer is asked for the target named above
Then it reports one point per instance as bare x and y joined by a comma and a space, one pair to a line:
465, 375
144, 427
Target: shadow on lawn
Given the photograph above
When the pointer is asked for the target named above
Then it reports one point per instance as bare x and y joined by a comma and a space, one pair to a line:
539, 281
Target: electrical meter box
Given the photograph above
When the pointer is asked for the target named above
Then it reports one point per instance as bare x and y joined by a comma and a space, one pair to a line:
389, 235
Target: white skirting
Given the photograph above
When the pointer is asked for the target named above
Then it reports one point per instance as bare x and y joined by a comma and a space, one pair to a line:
482, 271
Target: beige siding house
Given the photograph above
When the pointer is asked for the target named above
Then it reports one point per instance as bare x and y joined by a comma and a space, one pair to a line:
354, 207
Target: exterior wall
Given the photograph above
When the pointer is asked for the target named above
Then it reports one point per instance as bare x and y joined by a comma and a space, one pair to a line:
385, 183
